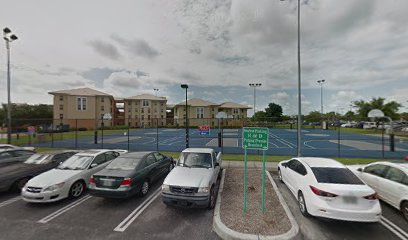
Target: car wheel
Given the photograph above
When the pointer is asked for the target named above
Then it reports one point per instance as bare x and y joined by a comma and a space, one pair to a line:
404, 209
302, 204
18, 185
213, 198
145, 188
280, 176
77, 189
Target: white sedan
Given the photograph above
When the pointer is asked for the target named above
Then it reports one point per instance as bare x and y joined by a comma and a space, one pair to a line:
9, 146
69, 179
326, 188
390, 180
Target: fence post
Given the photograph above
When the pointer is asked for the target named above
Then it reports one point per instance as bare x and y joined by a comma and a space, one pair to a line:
382, 142
157, 134
102, 133
338, 141
52, 134
76, 133
128, 132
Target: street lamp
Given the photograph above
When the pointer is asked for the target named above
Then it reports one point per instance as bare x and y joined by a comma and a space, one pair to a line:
299, 117
321, 82
8, 37
156, 90
185, 86
255, 85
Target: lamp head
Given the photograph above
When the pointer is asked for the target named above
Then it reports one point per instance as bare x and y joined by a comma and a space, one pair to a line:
6, 30
184, 86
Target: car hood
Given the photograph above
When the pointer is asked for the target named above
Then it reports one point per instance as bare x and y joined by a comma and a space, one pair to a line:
22, 168
189, 177
51, 177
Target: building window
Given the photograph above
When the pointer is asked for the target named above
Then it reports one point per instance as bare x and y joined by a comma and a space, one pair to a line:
236, 111
145, 103
162, 116
142, 117
155, 104
102, 99
129, 103
200, 112
61, 116
148, 110
136, 103
102, 108
161, 104
61, 98
148, 117
61, 107
142, 110
129, 110
81, 103
212, 109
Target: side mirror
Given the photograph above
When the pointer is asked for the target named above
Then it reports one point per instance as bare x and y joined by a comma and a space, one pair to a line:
217, 164
94, 165
359, 169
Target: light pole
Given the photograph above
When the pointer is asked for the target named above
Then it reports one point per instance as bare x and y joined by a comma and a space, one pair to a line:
255, 85
321, 82
185, 86
8, 37
299, 118
156, 90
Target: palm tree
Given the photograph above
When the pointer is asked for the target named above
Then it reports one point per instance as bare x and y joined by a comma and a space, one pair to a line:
390, 109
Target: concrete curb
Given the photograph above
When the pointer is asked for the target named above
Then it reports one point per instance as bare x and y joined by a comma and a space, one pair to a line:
228, 234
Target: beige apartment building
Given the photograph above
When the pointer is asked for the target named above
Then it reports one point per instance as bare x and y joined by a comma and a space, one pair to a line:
79, 108
145, 110
202, 112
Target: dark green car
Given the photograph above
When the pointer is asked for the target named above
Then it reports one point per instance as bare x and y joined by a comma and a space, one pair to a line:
131, 173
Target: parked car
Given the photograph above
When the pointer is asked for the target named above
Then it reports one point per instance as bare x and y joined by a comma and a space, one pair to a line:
390, 180
9, 146
69, 179
192, 182
370, 125
130, 174
15, 176
349, 125
10, 156
326, 188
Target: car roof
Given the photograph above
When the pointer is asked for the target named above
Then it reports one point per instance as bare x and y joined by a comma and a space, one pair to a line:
199, 150
136, 154
55, 152
321, 162
400, 165
94, 152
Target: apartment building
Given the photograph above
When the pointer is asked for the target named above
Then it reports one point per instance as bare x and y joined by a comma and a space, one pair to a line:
82, 107
145, 110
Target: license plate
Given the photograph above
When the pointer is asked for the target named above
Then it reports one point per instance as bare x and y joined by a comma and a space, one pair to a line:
108, 183
350, 200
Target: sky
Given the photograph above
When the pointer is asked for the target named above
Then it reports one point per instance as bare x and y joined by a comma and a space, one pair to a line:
218, 47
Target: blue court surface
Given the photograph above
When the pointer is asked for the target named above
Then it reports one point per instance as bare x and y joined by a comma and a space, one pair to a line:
315, 142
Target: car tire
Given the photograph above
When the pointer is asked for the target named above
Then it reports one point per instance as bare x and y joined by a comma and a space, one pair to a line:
77, 189
145, 188
280, 176
213, 198
302, 204
19, 184
404, 209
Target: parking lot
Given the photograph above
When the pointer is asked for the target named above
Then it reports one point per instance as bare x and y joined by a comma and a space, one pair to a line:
96, 218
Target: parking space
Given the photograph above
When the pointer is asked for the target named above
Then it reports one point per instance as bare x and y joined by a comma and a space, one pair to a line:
97, 218
319, 228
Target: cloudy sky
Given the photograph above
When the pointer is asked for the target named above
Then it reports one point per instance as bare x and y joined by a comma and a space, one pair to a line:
129, 47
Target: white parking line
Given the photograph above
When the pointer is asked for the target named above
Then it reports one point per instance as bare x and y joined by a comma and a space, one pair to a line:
10, 201
64, 209
133, 215
394, 228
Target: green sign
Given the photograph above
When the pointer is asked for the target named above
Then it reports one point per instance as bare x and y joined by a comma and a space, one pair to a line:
255, 138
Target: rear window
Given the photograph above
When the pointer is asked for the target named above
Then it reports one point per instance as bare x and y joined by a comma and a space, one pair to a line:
336, 176
122, 163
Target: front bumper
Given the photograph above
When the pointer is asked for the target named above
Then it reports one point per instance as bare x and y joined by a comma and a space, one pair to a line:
43, 197
186, 201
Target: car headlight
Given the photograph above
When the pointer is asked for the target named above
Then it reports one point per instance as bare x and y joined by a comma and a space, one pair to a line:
204, 189
165, 187
54, 187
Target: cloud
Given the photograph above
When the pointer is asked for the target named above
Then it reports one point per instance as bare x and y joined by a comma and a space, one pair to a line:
137, 47
105, 49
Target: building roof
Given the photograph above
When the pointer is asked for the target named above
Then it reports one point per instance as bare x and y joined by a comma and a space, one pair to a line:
233, 105
196, 102
146, 97
80, 92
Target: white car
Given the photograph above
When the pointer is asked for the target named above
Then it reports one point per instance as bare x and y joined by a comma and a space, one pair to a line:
69, 179
9, 146
390, 180
326, 188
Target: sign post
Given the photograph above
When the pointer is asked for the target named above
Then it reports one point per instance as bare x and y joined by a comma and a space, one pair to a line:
255, 138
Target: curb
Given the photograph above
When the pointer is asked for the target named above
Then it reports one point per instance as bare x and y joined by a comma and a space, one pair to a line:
228, 234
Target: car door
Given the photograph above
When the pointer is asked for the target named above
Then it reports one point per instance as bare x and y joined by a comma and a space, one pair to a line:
372, 175
393, 187
152, 169
298, 176
162, 163
289, 171
101, 162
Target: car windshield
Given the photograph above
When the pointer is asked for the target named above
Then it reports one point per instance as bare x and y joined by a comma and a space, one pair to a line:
76, 162
39, 159
336, 176
195, 160
122, 163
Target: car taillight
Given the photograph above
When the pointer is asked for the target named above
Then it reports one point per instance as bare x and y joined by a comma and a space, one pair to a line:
373, 196
91, 180
126, 182
322, 193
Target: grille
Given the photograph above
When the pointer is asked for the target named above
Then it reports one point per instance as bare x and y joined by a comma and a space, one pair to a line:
34, 189
186, 190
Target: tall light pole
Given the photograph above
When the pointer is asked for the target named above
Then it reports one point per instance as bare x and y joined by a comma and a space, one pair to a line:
255, 85
8, 37
321, 82
299, 118
185, 86
156, 90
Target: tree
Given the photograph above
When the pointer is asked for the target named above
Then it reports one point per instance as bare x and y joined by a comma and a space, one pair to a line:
274, 112
313, 116
350, 116
390, 109
22, 114
259, 116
